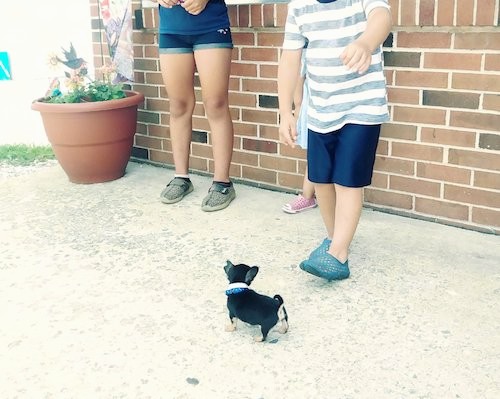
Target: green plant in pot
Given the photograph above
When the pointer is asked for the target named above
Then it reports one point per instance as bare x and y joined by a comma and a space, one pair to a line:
90, 123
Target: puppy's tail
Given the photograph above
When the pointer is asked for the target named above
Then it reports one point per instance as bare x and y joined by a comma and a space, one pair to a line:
282, 314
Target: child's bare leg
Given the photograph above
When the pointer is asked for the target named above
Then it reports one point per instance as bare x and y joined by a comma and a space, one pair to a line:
214, 68
178, 71
347, 213
307, 187
326, 196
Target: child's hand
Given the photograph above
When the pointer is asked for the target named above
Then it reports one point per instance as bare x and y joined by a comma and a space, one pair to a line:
194, 7
288, 130
357, 57
167, 3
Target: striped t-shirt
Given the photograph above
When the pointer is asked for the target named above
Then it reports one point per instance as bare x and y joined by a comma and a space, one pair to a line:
336, 95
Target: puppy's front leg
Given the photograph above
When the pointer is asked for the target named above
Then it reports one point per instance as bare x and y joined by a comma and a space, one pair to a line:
231, 327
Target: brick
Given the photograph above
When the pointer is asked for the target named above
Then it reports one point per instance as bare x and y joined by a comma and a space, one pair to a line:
268, 101
268, 15
465, 12
422, 79
491, 102
380, 180
148, 117
441, 208
394, 165
489, 141
245, 158
245, 129
291, 152
403, 96
155, 104
417, 151
151, 51
200, 123
154, 78
488, 217
257, 116
487, 180
143, 37
452, 61
478, 40
450, 99
259, 174
399, 131
146, 65
161, 157
389, 41
426, 15
269, 132
243, 38
474, 159
198, 136
197, 163
445, 12
158, 131
278, 164
387, 198
260, 146
443, 173
402, 59
201, 150
456, 138
281, 14
492, 62
485, 13
416, 186
139, 77
232, 12
394, 4
141, 153
259, 54
424, 39
290, 180
243, 69
476, 82
408, 12
242, 99
268, 71
467, 195
259, 86
382, 148
270, 39
243, 16
256, 15
419, 115
475, 120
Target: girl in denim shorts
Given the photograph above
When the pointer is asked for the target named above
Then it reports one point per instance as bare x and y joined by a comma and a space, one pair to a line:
194, 35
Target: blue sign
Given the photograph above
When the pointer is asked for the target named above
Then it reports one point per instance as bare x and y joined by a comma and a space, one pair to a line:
4, 66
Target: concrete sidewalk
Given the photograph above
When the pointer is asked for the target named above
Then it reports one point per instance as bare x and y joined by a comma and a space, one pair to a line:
107, 293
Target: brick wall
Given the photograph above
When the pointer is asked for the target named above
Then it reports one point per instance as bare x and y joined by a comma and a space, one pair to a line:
438, 158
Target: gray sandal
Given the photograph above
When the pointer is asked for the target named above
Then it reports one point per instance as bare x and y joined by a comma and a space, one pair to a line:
176, 190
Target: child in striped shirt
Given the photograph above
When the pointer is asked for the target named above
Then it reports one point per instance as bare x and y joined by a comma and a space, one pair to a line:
347, 105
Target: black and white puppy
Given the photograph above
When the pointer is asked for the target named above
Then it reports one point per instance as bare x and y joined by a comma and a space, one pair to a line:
245, 304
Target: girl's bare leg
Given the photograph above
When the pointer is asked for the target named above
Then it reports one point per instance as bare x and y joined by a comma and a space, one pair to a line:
178, 77
326, 196
214, 68
307, 187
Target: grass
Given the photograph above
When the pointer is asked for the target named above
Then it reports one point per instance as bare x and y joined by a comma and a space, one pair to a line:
24, 155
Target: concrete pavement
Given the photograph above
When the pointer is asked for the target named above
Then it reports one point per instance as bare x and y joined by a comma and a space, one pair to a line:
107, 293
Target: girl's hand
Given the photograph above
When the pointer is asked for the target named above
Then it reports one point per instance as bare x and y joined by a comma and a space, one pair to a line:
167, 3
193, 7
288, 130
357, 57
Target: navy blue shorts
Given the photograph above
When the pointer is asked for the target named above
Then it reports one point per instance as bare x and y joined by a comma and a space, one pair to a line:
343, 157
178, 44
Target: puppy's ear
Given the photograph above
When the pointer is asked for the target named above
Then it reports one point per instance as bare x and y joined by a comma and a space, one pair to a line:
251, 274
228, 267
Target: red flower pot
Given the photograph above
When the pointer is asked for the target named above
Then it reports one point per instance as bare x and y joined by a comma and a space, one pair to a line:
92, 141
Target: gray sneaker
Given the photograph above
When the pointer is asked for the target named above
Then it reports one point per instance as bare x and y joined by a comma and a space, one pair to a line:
218, 197
176, 190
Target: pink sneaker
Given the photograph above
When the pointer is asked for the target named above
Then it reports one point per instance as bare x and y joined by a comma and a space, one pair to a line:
300, 204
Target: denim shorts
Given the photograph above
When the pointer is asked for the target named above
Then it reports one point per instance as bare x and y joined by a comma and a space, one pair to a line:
177, 44
345, 157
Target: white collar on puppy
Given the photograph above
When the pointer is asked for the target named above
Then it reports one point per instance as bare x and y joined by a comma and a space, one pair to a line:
236, 288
